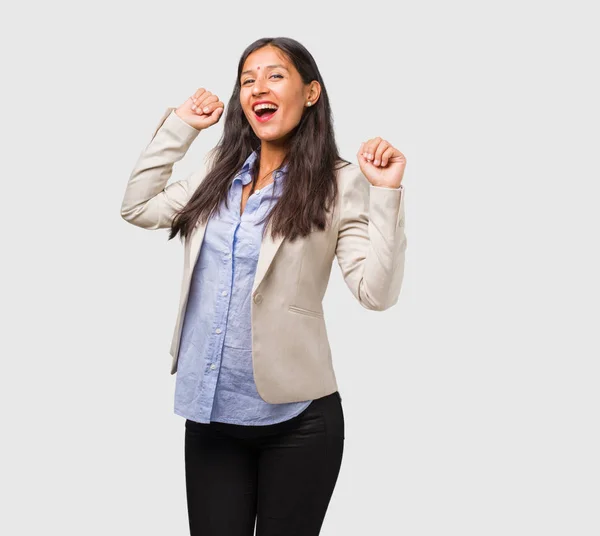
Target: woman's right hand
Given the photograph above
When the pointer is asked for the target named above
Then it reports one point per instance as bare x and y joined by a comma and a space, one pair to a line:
192, 110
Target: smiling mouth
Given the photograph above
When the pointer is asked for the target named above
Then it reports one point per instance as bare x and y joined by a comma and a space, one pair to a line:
264, 115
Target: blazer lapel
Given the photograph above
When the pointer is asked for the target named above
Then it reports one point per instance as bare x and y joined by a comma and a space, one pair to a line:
268, 249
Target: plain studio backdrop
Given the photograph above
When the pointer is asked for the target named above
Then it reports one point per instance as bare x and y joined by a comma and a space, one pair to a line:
471, 407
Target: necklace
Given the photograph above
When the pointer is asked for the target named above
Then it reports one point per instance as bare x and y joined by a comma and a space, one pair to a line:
256, 182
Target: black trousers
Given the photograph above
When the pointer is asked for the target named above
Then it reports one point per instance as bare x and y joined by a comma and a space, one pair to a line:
279, 476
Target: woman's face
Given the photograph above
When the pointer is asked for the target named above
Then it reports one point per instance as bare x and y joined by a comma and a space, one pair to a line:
268, 76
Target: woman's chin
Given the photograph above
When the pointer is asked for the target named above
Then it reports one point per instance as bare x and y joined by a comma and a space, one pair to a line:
273, 136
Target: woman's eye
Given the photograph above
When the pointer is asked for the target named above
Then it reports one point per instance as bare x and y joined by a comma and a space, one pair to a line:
251, 80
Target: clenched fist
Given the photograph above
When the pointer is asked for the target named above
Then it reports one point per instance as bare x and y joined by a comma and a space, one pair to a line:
381, 163
201, 110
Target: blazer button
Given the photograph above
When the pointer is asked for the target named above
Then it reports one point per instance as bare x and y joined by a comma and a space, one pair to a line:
258, 298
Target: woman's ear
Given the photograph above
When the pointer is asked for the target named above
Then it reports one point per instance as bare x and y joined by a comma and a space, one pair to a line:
314, 92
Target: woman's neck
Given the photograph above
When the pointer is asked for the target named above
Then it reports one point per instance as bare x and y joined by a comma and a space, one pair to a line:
271, 157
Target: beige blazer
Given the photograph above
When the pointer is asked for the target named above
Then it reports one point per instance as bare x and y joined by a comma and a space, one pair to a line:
290, 349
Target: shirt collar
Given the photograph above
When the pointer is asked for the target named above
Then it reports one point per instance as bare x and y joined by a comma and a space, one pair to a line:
245, 177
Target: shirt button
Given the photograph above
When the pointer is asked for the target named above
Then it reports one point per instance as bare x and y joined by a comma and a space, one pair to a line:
257, 192
218, 330
224, 293
258, 298
213, 367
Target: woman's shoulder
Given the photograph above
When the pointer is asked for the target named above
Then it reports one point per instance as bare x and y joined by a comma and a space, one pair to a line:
345, 167
349, 173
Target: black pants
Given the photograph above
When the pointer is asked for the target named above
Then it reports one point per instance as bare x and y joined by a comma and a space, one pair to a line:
280, 476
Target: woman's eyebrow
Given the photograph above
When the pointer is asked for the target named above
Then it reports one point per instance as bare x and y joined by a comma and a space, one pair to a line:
267, 67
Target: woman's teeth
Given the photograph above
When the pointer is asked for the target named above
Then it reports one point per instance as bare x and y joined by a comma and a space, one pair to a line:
266, 107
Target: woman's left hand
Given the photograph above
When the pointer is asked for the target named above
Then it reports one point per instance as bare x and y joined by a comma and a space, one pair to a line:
381, 163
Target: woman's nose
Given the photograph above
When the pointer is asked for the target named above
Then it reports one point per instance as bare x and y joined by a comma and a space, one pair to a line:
259, 87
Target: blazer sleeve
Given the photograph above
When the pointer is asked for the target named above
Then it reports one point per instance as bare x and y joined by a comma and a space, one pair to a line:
148, 202
371, 241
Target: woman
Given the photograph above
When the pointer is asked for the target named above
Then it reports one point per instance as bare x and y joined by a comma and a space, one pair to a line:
261, 222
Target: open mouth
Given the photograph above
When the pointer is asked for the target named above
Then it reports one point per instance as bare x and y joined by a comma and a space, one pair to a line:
265, 114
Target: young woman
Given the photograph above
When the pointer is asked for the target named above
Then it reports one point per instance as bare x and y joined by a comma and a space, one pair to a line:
261, 222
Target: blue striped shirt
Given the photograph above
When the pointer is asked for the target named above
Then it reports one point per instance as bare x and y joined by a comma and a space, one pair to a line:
215, 379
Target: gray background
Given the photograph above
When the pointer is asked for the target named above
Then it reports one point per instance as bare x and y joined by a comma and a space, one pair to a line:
471, 407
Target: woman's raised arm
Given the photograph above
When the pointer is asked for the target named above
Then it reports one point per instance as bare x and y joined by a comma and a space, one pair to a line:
371, 241
148, 202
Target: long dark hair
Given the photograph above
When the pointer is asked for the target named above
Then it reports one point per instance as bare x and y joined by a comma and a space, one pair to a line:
310, 187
